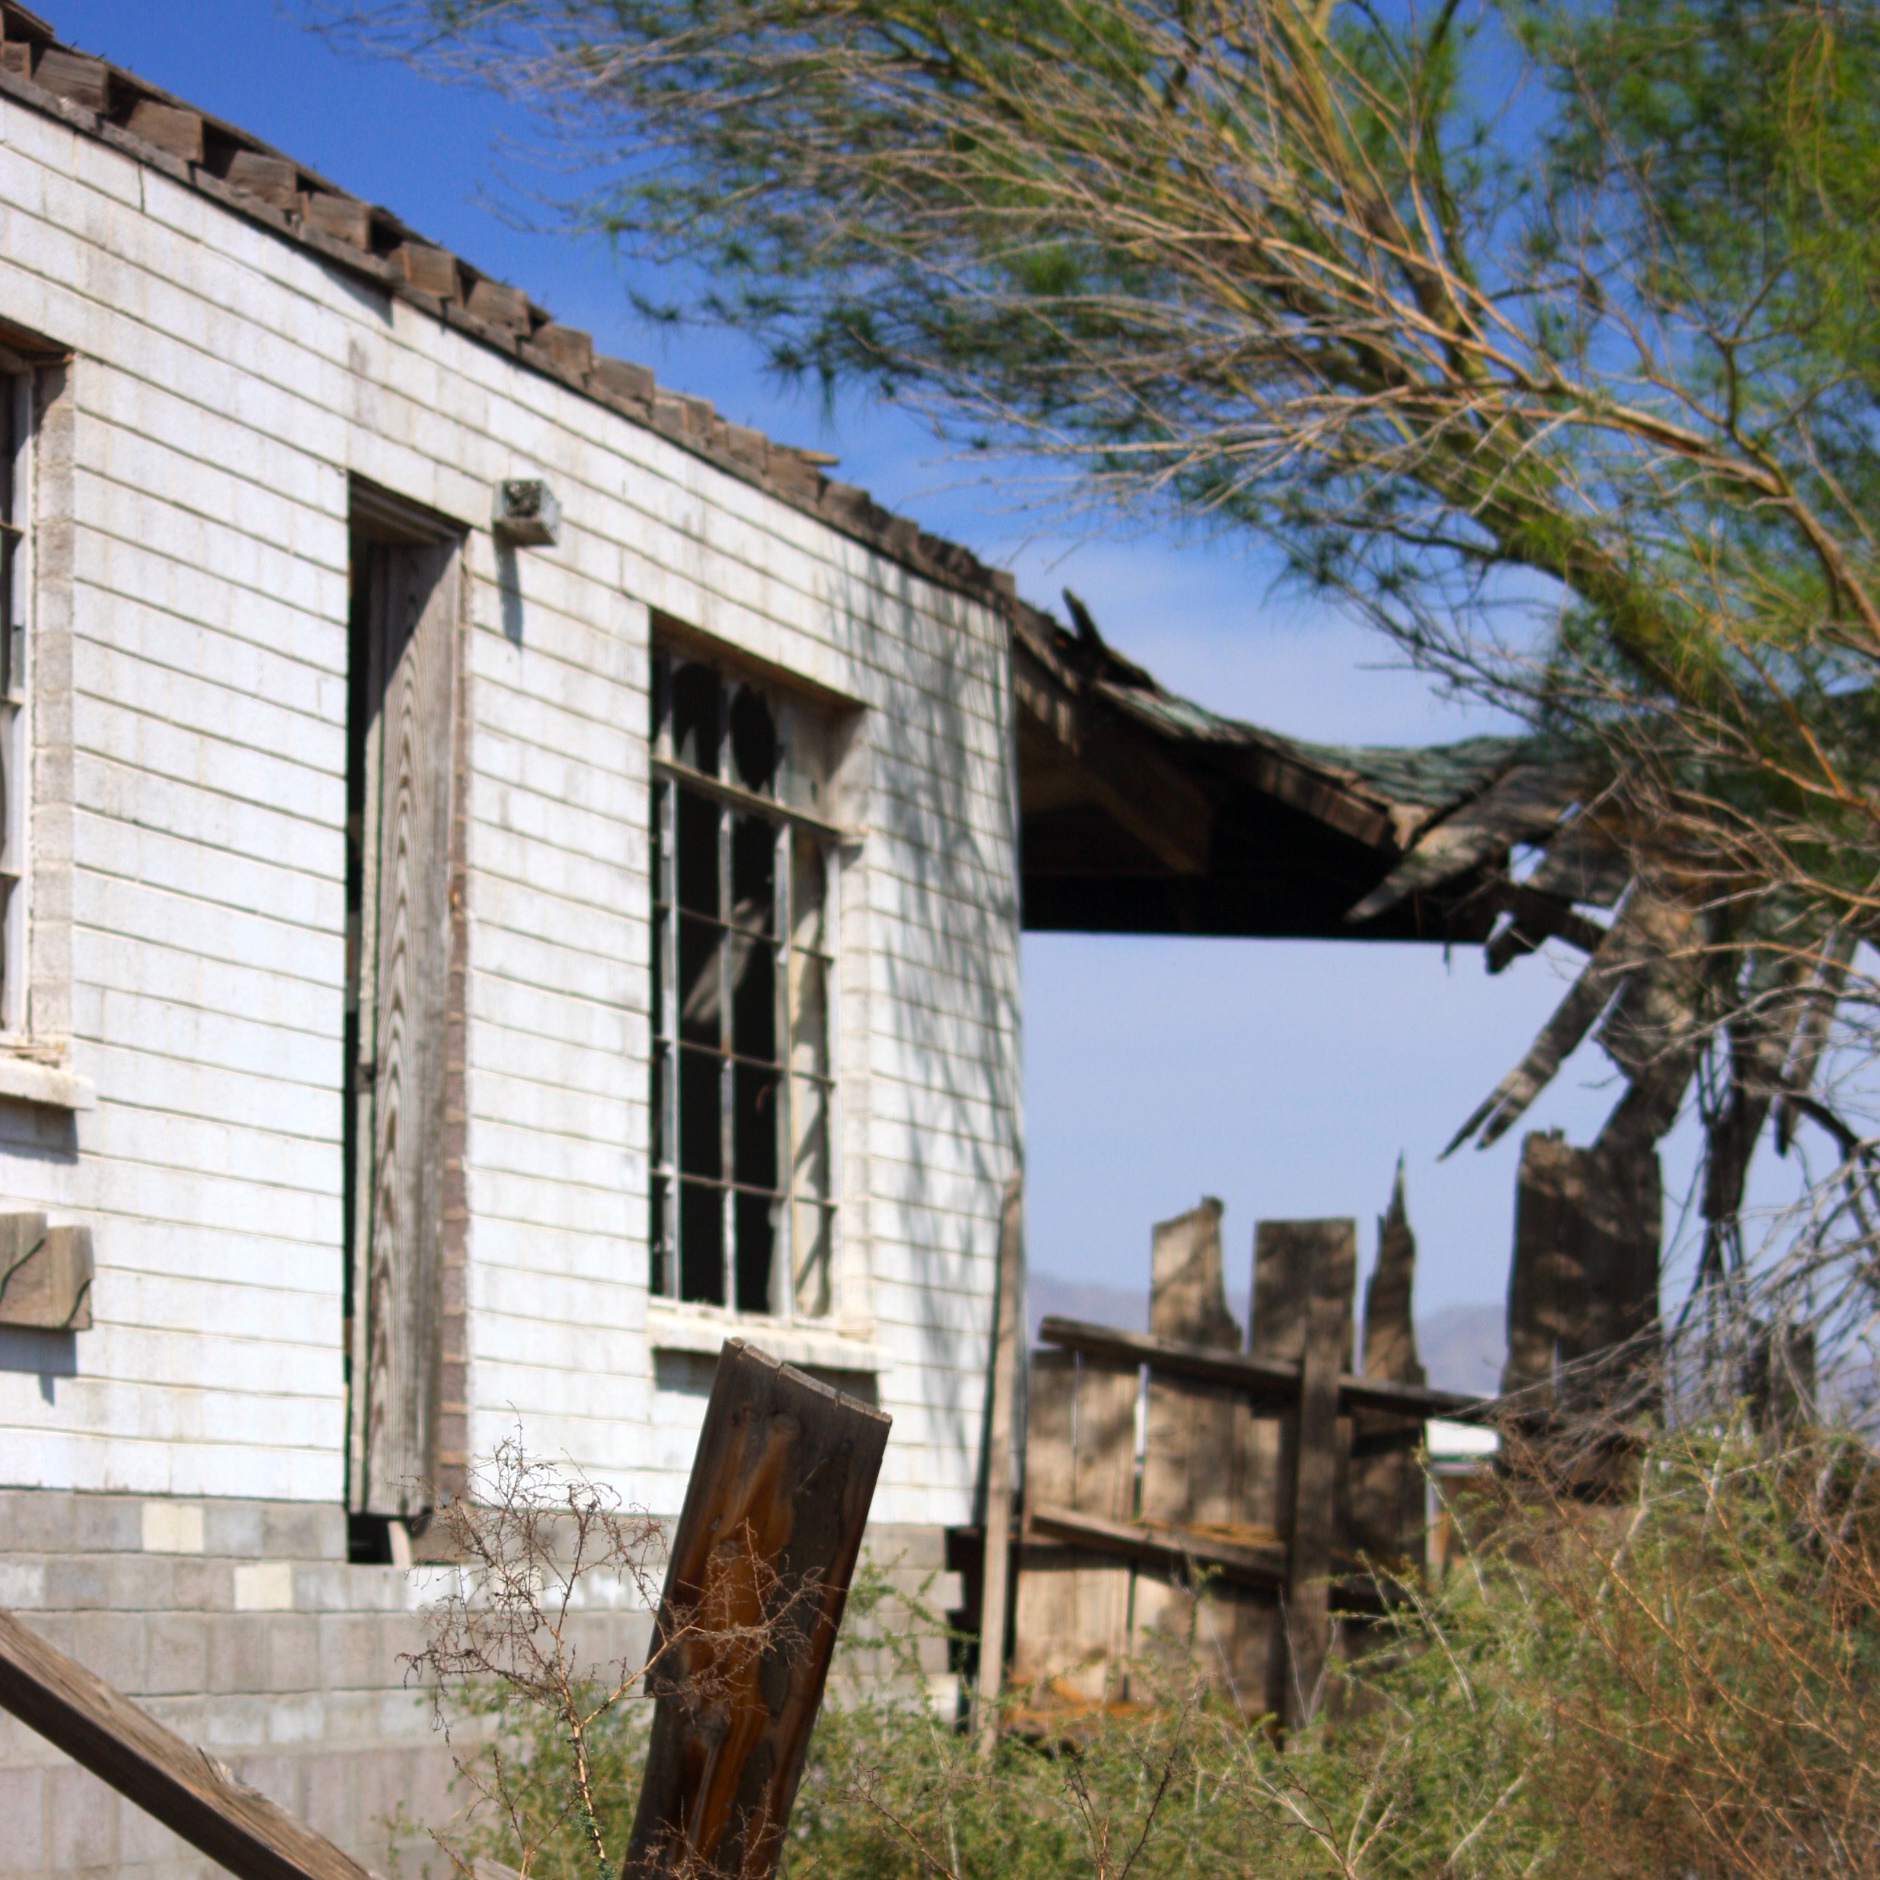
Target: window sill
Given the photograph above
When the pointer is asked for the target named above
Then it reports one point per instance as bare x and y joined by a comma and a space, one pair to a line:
57, 1086
704, 1329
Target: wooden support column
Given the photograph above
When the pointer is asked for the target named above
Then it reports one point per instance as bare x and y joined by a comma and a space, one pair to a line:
1305, 1273
998, 1569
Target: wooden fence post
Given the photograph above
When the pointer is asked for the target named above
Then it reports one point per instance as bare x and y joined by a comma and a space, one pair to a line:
995, 1587
761, 1563
1305, 1274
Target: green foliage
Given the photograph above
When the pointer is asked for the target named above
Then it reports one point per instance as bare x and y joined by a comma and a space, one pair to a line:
1687, 1682
1562, 307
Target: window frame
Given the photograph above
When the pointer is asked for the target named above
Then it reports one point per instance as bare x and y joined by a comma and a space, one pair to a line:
19, 385
803, 1212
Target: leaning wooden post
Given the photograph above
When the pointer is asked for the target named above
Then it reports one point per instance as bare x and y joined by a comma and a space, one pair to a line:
766, 1546
994, 1593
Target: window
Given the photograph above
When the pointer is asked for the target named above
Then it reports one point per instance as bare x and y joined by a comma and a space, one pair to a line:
16, 575
744, 872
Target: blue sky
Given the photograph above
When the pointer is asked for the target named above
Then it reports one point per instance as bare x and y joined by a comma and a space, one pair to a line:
1285, 1078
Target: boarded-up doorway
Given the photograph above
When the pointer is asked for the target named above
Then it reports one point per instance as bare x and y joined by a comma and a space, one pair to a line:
404, 1052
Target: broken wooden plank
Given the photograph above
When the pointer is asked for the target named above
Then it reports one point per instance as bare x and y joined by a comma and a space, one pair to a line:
1387, 1491
995, 1585
497, 304
1264, 1380
430, 270
1198, 1436
1165, 1545
192, 1795
1071, 1607
273, 180
1318, 1461
45, 1274
169, 127
761, 1563
339, 218
1522, 804
76, 76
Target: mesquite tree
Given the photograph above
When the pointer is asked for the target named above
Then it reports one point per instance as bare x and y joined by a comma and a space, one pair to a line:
1545, 331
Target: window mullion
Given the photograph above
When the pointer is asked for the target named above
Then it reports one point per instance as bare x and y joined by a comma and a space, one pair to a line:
727, 1097
669, 1028
830, 1213
783, 918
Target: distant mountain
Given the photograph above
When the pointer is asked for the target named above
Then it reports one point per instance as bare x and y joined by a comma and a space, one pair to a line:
1461, 1346
1124, 1307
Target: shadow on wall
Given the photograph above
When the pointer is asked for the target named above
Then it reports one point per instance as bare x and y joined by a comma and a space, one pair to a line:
947, 878
48, 1356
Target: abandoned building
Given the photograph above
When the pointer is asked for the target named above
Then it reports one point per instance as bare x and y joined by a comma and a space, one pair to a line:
506, 878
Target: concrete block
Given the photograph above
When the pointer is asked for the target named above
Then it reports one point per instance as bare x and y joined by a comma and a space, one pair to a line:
22, 1820
300, 1532
83, 1819
233, 1527
22, 1584
172, 1527
201, 1585
36, 1520
113, 1645
238, 1654
353, 1656
264, 1586
177, 1653
293, 1651
105, 1524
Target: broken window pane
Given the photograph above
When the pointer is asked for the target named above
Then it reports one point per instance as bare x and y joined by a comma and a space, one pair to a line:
757, 1237
698, 853
742, 1022
701, 1243
701, 981
753, 999
701, 1114
753, 874
754, 749
698, 707
754, 1126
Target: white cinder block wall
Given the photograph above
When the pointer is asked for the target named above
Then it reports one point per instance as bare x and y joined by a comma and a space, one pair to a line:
190, 730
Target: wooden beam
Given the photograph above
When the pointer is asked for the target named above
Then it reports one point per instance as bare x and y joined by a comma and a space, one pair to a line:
761, 1563
1265, 1380
995, 1587
194, 1797
1165, 1546
1123, 770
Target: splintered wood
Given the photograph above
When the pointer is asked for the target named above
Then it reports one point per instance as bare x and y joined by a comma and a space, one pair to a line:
761, 1563
1212, 1547
1583, 1292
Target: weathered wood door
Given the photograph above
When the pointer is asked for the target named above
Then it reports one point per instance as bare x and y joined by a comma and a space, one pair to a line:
404, 708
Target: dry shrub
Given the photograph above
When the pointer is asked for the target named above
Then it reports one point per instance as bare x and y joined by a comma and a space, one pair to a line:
1683, 1679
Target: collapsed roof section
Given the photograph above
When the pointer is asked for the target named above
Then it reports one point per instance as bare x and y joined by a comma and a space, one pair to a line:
1144, 813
